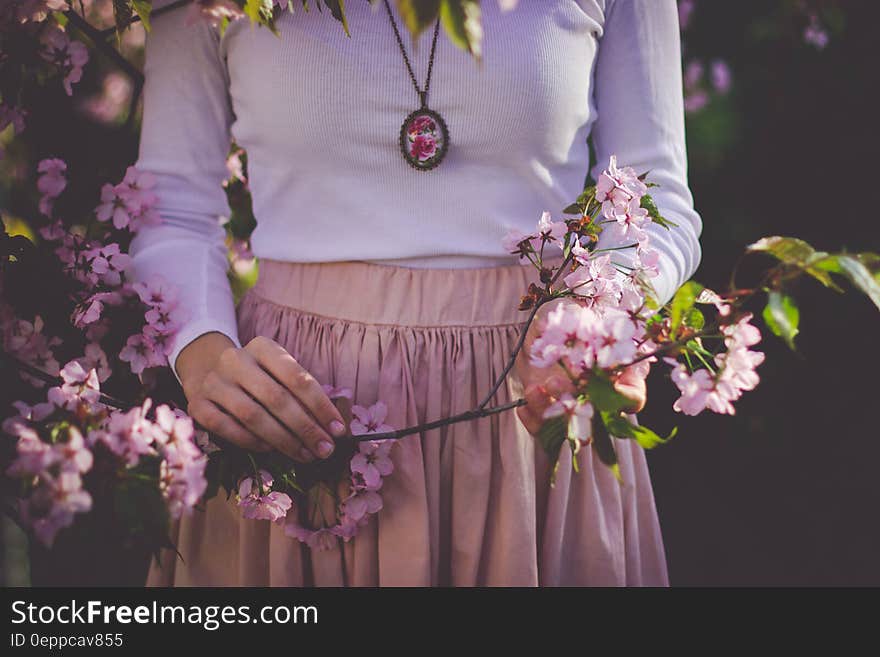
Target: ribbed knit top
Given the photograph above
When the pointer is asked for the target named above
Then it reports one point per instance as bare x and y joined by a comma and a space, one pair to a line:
319, 114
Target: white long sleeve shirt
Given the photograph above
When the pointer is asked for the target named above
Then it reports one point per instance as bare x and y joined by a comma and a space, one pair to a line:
319, 114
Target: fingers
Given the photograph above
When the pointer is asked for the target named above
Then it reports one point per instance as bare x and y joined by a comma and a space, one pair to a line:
254, 417
218, 422
539, 397
287, 409
531, 415
284, 368
634, 387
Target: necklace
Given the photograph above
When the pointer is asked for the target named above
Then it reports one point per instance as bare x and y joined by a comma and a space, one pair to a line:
424, 137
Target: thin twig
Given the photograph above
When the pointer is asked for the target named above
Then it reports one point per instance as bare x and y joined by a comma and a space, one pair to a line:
137, 19
461, 417
53, 380
101, 44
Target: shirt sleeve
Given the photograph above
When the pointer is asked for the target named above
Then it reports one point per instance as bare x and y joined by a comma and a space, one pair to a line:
640, 118
184, 141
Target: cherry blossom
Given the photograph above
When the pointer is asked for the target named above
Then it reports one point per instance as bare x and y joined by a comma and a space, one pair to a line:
68, 55
578, 415
369, 420
53, 504
257, 503
51, 182
372, 462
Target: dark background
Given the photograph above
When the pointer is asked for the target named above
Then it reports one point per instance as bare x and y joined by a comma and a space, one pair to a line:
786, 492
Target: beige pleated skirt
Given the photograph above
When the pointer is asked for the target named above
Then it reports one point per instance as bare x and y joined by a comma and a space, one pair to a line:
468, 504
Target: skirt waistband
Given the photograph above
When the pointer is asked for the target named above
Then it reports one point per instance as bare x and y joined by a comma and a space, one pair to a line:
373, 293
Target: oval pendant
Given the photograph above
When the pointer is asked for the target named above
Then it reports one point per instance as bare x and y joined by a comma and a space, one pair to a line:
424, 139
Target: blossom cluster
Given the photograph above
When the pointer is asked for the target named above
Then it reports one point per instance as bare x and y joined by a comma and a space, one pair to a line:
59, 441
64, 55
734, 372
607, 323
260, 498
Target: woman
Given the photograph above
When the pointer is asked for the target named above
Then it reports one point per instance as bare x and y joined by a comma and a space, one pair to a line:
393, 281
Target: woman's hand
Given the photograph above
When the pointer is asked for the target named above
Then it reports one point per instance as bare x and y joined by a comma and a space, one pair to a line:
543, 385
258, 397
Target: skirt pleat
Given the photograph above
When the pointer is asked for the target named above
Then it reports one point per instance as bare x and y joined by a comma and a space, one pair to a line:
468, 504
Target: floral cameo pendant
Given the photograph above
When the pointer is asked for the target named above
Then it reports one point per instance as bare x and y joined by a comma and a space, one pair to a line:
424, 139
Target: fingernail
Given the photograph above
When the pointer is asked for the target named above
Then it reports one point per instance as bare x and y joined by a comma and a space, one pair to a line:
324, 448
337, 428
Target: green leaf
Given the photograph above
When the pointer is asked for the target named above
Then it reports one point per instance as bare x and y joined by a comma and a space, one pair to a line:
259, 11
683, 302
552, 435
790, 250
461, 20
695, 319
417, 15
603, 396
619, 425
648, 204
337, 10
603, 443
143, 8
854, 268
782, 316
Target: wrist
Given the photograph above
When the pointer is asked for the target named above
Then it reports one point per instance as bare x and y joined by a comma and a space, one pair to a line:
199, 356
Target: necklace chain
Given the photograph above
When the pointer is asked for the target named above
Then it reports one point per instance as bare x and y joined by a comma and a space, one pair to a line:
422, 94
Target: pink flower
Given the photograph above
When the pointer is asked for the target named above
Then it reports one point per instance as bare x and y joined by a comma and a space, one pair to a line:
578, 415
318, 539
742, 333
423, 147
96, 359
69, 56
156, 291
130, 204
596, 282
52, 505
549, 230
129, 435
515, 240
110, 263
565, 335
372, 462
51, 183
165, 319
369, 420
33, 456
258, 503
614, 340
74, 455
695, 101
53, 232
685, 10
695, 388
422, 124
618, 189
139, 353
814, 34
335, 393
91, 309
362, 503
721, 76
80, 386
